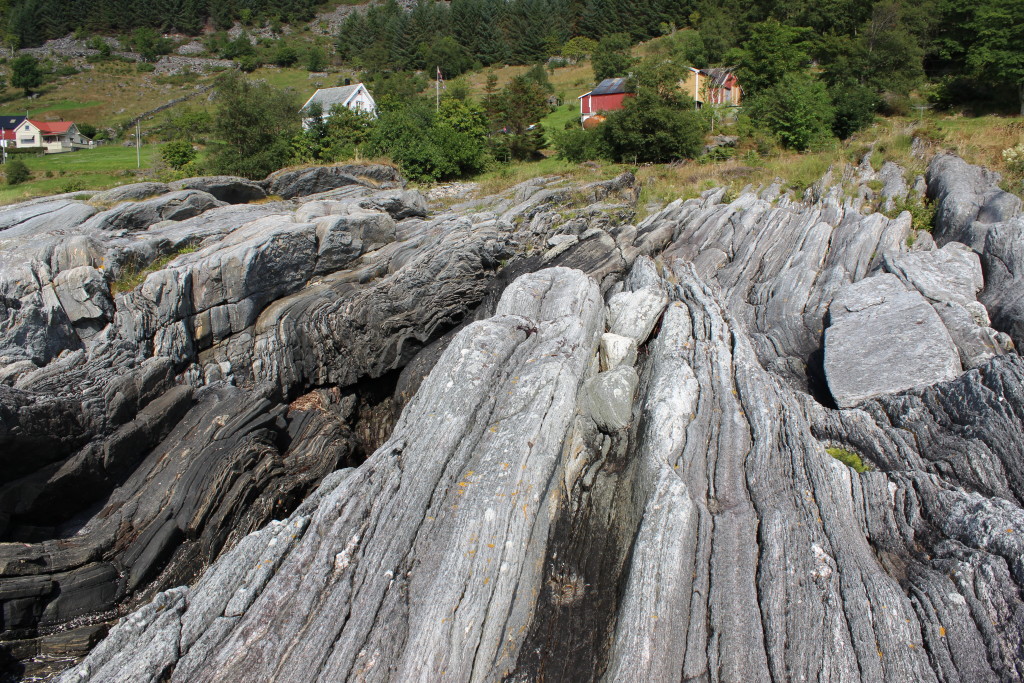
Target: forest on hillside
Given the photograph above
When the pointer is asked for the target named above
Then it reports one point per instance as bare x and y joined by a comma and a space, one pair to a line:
972, 51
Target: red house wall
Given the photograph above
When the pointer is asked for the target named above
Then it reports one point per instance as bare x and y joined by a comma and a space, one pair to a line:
595, 103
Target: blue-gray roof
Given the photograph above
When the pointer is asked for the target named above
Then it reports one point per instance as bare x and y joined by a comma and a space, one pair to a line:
8, 122
328, 97
610, 86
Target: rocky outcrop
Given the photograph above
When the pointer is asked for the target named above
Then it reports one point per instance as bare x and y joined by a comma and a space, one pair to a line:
972, 209
968, 200
340, 437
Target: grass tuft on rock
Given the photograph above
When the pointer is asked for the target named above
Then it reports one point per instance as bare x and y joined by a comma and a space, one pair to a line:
135, 274
849, 458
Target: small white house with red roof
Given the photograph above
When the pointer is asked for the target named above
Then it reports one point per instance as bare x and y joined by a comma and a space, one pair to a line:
52, 136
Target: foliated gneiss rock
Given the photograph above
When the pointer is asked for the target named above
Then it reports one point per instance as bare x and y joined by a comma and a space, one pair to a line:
337, 437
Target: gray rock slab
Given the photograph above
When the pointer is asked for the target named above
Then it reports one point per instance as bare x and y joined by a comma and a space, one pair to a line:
950, 274
883, 338
634, 314
131, 192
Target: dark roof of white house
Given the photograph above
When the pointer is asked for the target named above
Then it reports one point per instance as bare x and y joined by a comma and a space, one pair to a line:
328, 97
7, 122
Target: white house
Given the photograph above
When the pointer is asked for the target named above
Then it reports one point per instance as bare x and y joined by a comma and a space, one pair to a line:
355, 97
53, 136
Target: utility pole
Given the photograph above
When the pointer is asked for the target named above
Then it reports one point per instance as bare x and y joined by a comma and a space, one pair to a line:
138, 145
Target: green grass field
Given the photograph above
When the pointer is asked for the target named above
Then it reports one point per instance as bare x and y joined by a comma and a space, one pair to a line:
556, 120
87, 169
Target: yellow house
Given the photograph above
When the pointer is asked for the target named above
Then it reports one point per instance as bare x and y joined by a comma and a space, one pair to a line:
712, 86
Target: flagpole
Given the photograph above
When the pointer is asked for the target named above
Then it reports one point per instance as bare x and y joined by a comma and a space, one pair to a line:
437, 91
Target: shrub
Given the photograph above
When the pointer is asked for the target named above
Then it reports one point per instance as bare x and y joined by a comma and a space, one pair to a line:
145, 67
854, 109
316, 59
17, 172
249, 63
797, 110
1014, 159
578, 145
650, 129
177, 154
286, 55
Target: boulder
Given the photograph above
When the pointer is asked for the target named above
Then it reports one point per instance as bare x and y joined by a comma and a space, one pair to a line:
173, 206
85, 296
131, 192
968, 200
882, 339
341, 239
399, 203
616, 350
1003, 258
950, 278
306, 181
634, 314
230, 189
609, 398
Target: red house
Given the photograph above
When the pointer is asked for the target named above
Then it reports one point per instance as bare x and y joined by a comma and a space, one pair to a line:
607, 96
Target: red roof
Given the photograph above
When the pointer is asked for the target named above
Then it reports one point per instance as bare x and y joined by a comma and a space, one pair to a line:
7, 134
52, 126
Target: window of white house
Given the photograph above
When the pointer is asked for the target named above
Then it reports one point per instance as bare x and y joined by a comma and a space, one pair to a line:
27, 141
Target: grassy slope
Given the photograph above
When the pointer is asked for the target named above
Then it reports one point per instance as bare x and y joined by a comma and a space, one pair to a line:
88, 169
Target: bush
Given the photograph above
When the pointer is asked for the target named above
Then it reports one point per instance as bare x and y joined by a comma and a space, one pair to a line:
17, 172
25, 150
87, 129
1014, 159
177, 154
797, 110
316, 60
854, 109
256, 123
145, 67
429, 147
286, 55
578, 145
650, 129
249, 63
